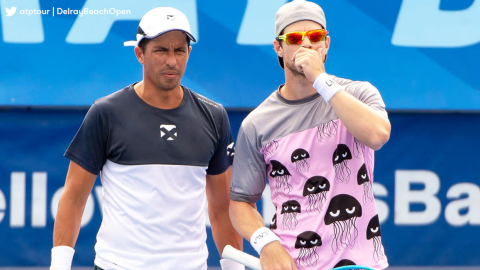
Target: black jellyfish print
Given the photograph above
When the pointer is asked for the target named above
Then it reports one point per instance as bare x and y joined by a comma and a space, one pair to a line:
340, 157
344, 262
327, 130
273, 225
269, 148
289, 212
316, 189
281, 175
358, 148
373, 231
300, 158
363, 179
343, 212
308, 242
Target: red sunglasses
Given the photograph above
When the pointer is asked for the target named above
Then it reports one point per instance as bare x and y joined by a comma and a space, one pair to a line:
297, 37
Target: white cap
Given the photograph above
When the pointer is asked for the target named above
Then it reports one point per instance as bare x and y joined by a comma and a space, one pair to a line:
159, 21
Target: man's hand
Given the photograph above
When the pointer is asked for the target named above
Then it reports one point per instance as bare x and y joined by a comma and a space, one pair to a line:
274, 256
310, 62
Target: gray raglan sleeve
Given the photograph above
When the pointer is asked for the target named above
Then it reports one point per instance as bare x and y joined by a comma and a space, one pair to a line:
249, 170
369, 94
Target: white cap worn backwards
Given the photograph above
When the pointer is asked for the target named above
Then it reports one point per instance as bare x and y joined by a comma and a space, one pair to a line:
298, 10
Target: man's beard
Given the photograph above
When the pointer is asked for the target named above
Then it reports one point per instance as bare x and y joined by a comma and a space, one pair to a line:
168, 86
291, 66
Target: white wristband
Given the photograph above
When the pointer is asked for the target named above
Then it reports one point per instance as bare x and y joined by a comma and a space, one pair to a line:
262, 237
326, 87
227, 264
62, 257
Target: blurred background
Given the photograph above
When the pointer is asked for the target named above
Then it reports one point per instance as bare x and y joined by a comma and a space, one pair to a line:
423, 56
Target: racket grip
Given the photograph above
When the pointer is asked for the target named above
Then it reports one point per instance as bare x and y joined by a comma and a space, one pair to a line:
248, 260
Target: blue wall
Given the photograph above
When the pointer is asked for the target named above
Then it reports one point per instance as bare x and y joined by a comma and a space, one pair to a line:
424, 150
405, 48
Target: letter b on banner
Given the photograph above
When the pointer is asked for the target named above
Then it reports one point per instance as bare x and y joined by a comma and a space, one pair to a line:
404, 196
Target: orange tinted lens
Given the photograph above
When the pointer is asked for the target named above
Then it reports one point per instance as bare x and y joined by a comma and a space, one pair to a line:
294, 38
316, 35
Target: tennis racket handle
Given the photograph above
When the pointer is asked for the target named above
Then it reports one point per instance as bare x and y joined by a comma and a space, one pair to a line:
248, 260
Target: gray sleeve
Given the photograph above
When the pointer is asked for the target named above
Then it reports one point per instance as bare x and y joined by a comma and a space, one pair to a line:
369, 94
248, 171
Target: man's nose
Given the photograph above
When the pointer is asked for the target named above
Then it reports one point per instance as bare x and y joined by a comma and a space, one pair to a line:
307, 43
171, 60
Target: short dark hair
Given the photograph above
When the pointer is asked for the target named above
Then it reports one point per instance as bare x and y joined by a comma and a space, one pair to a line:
143, 43
280, 40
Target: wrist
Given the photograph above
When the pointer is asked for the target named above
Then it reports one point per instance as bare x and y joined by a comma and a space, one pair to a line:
227, 264
261, 237
62, 257
326, 87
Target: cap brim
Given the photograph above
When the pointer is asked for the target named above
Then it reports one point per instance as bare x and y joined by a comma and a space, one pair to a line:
130, 43
135, 43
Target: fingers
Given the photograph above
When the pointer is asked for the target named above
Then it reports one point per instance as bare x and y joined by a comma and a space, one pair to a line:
299, 64
301, 51
322, 52
301, 61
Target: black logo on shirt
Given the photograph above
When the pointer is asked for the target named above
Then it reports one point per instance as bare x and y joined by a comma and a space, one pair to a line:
168, 132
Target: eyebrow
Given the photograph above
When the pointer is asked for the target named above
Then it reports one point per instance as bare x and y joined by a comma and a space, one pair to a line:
156, 47
159, 47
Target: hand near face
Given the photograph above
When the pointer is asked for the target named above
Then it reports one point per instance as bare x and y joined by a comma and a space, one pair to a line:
310, 62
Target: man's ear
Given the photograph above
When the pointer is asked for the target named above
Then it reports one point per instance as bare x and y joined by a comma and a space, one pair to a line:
327, 46
278, 48
139, 54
